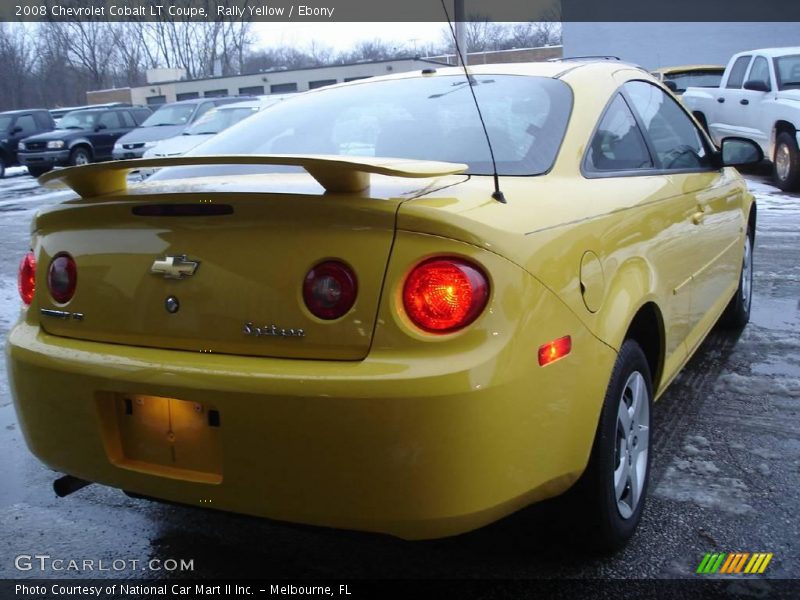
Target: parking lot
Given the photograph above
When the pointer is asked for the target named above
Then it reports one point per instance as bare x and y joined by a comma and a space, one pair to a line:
726, 466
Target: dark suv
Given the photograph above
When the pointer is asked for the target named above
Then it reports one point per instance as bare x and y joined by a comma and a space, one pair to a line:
18, 124
80, 137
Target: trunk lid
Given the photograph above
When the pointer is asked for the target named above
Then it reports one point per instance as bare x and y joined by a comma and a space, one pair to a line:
248, 257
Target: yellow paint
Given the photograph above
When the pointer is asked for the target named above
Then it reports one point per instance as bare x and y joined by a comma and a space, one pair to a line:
367, 422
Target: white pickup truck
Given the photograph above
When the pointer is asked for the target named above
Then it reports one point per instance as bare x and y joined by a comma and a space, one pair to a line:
758, 99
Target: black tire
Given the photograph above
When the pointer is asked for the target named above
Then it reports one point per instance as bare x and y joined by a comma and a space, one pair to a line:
79, 156
609, 517
786, 162
37, 171
737, 313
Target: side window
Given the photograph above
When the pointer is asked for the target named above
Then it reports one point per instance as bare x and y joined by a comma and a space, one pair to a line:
736, 78
760, 70
141, 115
677, 142
127, 119
618, 144
202, 109
110, 120
42, 120
27, 123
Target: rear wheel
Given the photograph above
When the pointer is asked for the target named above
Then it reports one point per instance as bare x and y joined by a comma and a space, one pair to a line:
737, 313
79, 156
786, 163
613, 488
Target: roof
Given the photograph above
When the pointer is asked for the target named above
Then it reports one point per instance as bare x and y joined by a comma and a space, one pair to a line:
775, 52
22, 110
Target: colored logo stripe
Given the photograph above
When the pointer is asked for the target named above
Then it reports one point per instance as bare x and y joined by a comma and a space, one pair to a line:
724, 563
711, 562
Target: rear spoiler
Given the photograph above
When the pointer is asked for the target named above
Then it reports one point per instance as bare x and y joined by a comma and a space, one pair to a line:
334, 173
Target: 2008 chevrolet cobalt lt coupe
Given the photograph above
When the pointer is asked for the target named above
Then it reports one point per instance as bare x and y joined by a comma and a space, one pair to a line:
346, 312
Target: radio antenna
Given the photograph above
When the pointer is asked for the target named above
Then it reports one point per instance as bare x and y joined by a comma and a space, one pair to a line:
497, 195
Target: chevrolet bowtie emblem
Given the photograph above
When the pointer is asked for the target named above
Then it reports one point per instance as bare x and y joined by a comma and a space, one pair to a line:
174, 267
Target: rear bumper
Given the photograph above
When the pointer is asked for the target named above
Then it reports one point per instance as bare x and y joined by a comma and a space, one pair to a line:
415, 448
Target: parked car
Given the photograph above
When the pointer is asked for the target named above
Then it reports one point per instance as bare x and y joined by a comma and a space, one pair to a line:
417, 340
677, 79
15, 125
167, 121
210, 124
80, 137
759, 100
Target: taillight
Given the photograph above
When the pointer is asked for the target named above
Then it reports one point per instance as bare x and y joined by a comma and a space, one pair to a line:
330, 289
62, 278
442, 295
26, 278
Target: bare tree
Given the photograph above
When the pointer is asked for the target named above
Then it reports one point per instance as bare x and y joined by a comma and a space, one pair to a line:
371, 50
16, 61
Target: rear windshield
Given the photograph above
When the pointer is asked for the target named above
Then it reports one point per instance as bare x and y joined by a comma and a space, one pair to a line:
708, 79
422, 118
218, 119
171, 114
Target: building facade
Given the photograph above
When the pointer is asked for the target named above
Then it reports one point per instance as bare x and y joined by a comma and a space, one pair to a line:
258, 84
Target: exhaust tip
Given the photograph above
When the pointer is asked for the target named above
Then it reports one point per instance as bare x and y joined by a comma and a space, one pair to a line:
66, 485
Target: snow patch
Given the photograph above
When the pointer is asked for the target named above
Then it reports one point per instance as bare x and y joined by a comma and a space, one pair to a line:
765, 387
695, 478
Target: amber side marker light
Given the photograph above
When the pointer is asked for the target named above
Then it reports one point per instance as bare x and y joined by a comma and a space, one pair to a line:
552, 351
443, 295
26, 278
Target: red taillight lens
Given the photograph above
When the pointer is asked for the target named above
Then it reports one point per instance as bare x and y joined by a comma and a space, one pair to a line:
552, 351
329, 290
26, 278
445, 294
62, 278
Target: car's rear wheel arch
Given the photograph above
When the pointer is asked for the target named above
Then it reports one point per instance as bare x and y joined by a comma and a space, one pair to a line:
784, 127
647, 329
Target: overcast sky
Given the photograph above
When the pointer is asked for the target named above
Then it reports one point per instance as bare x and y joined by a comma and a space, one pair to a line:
343, 36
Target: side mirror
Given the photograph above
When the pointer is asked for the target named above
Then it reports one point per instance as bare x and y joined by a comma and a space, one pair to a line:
756, 85
737, 152
673, 87
16, 129
99, 126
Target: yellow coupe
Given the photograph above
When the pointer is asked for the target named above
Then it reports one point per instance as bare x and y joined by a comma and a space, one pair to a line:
350, 310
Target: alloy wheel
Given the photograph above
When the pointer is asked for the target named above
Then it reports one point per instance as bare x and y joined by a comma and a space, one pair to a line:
632, 444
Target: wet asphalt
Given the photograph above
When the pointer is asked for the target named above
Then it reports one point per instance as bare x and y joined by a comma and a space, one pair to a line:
726, 468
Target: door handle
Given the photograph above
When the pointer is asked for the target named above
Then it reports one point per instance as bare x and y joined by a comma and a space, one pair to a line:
720, 100
744, 101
